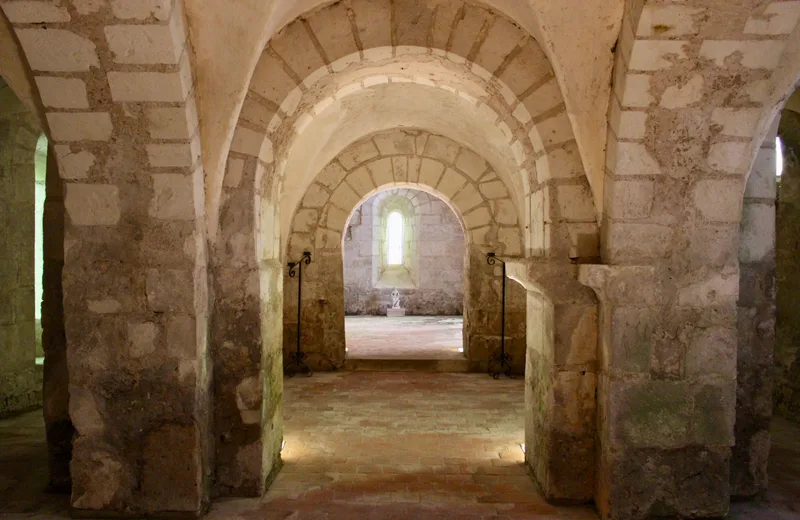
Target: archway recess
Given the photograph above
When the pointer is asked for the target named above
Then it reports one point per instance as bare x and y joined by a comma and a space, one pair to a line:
321, 85
423, 161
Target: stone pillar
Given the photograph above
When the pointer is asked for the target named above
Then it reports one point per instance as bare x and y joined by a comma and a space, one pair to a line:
560, 380
56, 375
756, 327
116, 83
666, 390
247, 336
787, 346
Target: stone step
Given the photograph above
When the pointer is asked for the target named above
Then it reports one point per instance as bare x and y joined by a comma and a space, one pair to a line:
406, 365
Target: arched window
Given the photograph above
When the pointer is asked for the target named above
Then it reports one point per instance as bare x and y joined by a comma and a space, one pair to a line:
394, 238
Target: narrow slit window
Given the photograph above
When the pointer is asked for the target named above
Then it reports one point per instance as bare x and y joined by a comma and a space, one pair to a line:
394, 239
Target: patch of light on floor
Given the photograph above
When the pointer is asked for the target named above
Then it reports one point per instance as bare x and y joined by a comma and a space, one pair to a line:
461, 349
40, 361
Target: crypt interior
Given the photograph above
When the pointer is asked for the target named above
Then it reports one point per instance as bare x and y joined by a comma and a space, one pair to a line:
488, 259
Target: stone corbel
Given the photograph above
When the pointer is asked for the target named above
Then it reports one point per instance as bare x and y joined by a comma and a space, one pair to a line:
627, 284
558, 282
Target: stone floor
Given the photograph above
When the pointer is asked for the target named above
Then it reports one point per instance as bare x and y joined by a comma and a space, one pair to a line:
411, 337
388, 446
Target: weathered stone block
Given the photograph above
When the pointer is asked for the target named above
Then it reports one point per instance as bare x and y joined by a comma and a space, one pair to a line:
173, 197
171, 472
101, 478
80, 126
145, 44
92, 204
62, 92
170, 290
25, 11
57, 50
148, 86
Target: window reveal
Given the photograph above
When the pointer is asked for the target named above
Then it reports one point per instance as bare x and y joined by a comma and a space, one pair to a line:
394, 238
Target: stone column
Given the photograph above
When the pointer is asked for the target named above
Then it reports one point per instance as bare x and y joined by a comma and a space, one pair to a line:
756, 326
787, 347
116, 83
247, 335
56, 375
560, 380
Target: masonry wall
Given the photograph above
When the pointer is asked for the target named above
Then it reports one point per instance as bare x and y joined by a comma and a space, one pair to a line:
436, 243
20, 379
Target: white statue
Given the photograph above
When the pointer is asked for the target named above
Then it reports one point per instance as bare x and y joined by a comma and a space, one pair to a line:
395, 299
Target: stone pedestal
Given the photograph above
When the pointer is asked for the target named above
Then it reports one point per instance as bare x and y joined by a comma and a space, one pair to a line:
395, 313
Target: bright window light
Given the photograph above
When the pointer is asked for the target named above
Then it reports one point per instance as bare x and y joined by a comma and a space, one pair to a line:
394, 239
778, 157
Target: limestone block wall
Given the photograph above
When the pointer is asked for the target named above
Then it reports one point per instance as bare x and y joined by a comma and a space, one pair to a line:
405, 159
20, 378
787, 341
434, 263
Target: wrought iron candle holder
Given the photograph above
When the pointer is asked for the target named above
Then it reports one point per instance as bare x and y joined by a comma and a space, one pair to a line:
500, 362
298, 358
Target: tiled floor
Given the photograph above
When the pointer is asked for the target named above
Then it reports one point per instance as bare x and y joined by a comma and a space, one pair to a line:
411, 337
388, 446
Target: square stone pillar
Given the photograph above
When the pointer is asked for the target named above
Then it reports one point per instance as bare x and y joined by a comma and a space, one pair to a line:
560, 380
124, 130
246, 335
666, 390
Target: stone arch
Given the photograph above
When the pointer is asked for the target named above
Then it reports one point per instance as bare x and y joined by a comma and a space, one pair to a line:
273, 159
419, 160
518, 81
116, 87
701, 76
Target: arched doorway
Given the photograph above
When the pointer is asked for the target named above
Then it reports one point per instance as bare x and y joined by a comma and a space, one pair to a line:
405, 160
